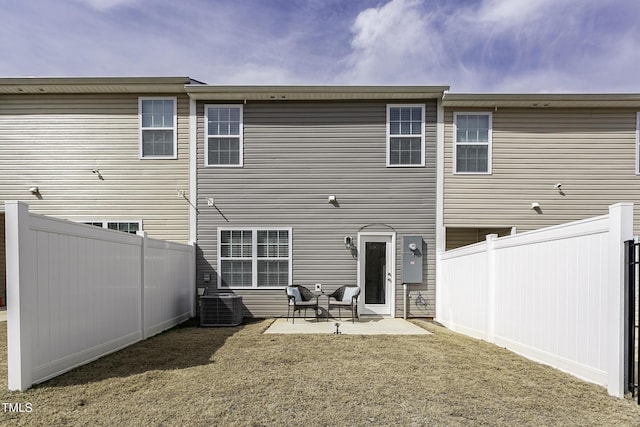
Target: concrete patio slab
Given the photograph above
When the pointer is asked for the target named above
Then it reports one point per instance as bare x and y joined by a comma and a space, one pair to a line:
366, 326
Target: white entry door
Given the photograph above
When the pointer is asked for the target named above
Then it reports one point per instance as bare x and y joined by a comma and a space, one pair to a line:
376, 273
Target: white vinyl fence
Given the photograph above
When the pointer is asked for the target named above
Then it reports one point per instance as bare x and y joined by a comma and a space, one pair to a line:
77, 292
554, 295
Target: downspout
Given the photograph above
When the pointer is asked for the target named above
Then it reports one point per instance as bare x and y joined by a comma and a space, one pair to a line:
193, 196
193, 164
440, 229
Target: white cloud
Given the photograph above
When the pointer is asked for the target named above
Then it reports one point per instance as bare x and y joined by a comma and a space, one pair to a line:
510, 13
392, 44
103, 5
497, 45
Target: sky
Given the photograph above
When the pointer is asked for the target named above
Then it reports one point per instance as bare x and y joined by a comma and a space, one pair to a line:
485, 46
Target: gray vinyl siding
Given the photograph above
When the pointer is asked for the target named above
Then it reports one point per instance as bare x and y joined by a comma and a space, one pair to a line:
54, 141
458, 237
591, 152
295, 156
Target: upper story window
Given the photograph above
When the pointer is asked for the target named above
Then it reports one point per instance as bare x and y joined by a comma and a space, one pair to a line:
405, 135
158, 136
223, 144
254, 257
472, 143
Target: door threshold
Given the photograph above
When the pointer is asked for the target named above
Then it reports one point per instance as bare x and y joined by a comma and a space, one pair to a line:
376, 316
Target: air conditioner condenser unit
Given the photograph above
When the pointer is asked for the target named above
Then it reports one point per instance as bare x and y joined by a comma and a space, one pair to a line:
221, 310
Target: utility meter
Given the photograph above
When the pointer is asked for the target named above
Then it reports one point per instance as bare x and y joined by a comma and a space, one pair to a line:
412, 259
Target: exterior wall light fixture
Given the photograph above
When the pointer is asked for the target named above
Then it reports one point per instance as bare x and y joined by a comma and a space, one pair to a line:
349, 243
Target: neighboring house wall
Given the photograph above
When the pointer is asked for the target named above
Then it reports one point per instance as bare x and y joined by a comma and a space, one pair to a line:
295, 156
590, 151
458, 237
54, 141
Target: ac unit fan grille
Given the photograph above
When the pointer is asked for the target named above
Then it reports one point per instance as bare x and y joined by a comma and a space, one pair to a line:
221, 310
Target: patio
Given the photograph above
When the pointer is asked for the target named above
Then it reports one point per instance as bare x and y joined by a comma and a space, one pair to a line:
366, 326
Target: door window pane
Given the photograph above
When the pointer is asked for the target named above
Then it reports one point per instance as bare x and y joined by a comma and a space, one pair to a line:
375, 281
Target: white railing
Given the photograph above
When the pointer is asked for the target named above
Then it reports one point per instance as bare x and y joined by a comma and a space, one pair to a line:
554, 295
77, 292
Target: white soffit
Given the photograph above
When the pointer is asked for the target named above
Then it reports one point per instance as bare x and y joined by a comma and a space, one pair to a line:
313, 93
92, 85
478, 100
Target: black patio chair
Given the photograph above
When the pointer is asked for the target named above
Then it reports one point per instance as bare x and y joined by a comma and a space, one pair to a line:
298, 298
345, 296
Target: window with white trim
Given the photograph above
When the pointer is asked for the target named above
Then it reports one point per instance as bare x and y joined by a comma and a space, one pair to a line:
472, 143
158, 136
223, 143
405, 135
254, 257
130, 227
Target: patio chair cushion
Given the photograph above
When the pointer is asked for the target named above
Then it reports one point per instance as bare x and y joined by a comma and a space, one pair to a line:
295, 292
350, 292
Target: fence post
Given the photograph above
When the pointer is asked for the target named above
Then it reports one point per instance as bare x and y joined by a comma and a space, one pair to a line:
620, 229
20, 292
143, 267
491, 287
192, 278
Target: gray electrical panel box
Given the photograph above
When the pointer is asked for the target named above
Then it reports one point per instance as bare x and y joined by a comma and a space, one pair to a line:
412, 259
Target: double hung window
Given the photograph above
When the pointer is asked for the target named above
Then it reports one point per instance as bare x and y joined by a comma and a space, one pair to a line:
223, 143
131, 227
158, 137
405, 135
254, 258
472, 143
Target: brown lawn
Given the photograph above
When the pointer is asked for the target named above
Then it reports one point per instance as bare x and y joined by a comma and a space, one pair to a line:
195, 376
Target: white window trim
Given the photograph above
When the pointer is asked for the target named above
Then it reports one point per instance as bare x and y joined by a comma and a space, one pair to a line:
489, 143
105, 222
175, 127
254, 256
637, 143
422, 136
240, 136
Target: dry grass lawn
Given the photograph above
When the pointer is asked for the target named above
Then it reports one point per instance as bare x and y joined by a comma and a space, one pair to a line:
238, 376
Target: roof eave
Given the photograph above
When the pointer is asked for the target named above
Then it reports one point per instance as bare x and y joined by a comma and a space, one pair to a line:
477, 100
92, 85
312, 93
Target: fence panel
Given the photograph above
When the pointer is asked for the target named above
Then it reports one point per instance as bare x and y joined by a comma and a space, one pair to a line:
466, 277
549, 296
554, 295
168, 297
77, 292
